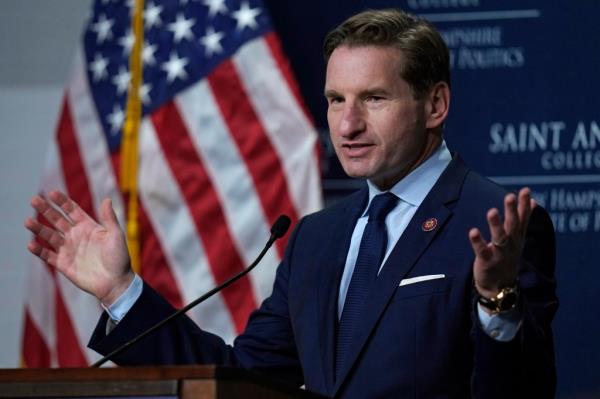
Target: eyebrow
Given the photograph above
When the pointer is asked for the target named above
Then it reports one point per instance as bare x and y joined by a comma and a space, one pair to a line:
374, 92
331, 93
366, 93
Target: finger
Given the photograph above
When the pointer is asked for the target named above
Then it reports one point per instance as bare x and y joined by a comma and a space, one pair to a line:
45, 209
69, 207
511, 216
51, 236
108, 218
42, 252
497, 232
479, 245
40, 204
524, 207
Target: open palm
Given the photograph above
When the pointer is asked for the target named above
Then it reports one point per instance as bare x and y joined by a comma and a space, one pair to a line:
496, 261
92, 255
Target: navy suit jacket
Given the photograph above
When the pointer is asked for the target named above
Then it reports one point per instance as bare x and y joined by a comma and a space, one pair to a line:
421, 340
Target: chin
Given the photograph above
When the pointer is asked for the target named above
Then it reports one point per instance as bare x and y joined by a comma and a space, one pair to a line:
359, 175
352, 169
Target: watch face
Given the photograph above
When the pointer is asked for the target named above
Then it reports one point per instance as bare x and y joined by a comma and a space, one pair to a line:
505, 300
509, 301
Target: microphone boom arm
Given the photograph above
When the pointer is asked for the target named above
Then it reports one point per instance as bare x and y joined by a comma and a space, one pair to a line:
277, 231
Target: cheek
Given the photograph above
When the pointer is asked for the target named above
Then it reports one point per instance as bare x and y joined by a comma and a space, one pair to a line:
400, 137
335, 131
331, 122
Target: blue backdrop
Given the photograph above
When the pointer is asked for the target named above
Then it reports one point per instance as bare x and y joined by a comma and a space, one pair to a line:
525, 111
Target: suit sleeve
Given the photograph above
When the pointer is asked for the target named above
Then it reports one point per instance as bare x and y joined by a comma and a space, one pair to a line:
524, 367
267, 344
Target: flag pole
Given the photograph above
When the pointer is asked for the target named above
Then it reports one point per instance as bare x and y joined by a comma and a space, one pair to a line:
130, 137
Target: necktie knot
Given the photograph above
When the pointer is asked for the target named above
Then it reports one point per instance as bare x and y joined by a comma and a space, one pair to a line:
381, 205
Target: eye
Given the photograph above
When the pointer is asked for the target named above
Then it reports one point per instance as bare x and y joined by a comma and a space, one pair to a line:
335, 100
375, 98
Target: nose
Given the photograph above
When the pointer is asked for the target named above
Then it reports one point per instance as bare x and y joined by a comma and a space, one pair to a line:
352, 121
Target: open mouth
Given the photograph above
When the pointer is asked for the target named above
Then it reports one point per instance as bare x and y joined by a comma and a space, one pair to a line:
355, 145
356, 149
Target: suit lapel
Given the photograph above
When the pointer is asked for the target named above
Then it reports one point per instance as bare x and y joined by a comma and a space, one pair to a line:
413, 242
329, 284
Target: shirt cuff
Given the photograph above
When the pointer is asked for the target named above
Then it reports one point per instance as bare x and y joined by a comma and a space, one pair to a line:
119, 309
503, 326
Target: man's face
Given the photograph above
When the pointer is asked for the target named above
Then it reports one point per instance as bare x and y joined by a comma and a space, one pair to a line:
378, 128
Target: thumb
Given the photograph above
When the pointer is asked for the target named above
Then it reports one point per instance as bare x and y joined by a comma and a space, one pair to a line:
108, 218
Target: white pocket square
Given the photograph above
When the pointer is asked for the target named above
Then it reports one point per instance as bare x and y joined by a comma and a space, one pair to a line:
413, 280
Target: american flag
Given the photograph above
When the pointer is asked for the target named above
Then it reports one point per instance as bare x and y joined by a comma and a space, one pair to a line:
225, 146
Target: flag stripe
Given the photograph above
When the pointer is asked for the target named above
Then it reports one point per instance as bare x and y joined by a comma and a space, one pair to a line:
72, 167
155, 270
68, 347
36, 352
226, 167
291, 135
284, 67
40, 310
205, 209
253, 143
83, 310
172, 221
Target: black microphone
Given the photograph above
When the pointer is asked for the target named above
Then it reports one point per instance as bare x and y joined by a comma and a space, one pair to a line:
281, 225
278, 230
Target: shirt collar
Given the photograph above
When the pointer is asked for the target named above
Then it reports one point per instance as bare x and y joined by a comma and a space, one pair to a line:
415, 186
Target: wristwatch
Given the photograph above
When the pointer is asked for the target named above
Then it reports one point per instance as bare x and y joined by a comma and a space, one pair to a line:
505, 300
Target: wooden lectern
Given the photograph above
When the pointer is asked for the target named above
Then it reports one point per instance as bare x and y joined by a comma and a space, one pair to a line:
185, 382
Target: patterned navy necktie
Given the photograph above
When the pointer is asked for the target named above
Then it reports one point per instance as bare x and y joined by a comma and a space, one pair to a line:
370, 255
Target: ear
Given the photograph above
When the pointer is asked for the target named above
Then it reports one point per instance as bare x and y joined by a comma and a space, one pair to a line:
437, 105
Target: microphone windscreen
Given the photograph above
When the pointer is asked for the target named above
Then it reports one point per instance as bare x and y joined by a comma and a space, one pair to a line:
281, 225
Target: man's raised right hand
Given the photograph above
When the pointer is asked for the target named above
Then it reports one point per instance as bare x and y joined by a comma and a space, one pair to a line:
92, 255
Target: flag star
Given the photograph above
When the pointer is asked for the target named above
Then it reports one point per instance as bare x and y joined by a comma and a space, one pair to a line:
246, 16
212, 41
127, 42
122, 80
182, 28
98, 67
148, 53
144, 92
115, 120
103, 28
215, 7
152, 16
175, 68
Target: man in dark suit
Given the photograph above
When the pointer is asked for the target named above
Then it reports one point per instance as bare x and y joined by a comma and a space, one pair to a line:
392, 292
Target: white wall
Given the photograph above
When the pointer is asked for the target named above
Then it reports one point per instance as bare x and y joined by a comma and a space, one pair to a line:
37, 40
